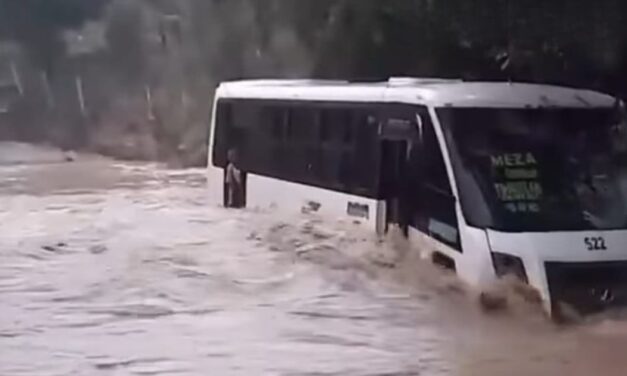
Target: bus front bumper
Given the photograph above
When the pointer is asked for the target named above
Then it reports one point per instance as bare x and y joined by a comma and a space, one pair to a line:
587, 287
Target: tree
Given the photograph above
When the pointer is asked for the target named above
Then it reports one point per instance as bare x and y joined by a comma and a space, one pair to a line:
38, 24
124, 38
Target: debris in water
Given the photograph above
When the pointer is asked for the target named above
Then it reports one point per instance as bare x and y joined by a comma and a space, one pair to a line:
311, 207
566, 314
386, 264
528, 293
54, 248
98, 249
69, 156
254, 236
491, 301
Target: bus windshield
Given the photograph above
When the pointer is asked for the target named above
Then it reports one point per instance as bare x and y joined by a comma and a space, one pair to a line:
534, 170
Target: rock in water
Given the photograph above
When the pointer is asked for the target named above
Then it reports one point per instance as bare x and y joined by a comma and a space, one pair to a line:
98, 249
69, 156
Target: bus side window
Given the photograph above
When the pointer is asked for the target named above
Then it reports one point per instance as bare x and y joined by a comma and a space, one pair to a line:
271, 127
327, 146
302, 141
222, 134
435, 168
245, 117
335, 148
365, 153
434, 204
278, 123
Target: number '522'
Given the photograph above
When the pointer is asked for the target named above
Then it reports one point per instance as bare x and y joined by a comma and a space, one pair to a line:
595, 244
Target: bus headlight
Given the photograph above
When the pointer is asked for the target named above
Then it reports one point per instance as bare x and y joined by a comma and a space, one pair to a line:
505, 265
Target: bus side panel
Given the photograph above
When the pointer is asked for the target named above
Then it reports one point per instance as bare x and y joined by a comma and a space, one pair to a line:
212, 130
264, 192
215, 185
215, 175
475, 265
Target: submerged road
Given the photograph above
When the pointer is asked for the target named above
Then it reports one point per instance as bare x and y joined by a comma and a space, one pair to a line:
111, 268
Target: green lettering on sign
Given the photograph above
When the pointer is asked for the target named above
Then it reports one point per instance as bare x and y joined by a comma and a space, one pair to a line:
521, 174
519, 191
514, 160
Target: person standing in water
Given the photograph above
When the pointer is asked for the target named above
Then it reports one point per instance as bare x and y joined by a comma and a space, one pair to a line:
234, 181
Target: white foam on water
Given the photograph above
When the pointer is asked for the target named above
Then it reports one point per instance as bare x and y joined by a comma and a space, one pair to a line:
107, 268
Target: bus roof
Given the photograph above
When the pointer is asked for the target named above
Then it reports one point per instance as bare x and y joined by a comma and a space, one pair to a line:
426, 91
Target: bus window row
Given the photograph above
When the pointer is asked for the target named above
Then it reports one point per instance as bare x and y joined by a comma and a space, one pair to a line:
329, 147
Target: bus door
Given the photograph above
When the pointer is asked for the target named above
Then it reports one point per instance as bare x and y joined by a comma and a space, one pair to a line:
430, 195
397, 133
393, 168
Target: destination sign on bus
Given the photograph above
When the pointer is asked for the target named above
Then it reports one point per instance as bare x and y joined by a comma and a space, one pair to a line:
516, 181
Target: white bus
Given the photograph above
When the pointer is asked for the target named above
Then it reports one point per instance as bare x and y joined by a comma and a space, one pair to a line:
489, 179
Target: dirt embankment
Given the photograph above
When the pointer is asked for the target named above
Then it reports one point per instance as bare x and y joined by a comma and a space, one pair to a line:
125, 136
147, 141
126, 131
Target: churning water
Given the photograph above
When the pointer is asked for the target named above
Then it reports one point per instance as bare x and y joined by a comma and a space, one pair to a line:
111, 268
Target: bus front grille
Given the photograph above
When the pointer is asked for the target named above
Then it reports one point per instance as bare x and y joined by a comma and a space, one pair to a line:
588, 287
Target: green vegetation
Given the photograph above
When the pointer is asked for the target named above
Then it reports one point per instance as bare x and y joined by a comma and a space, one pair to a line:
180, 49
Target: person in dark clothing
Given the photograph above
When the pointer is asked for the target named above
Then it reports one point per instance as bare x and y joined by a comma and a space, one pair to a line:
234, 181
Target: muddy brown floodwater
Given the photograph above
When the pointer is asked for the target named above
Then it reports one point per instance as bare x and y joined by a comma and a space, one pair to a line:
111, 268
